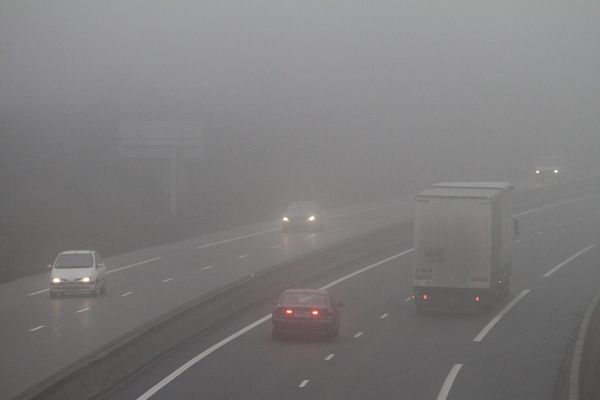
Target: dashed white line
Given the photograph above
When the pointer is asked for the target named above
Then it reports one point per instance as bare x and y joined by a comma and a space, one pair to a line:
173, 375
207, 267
38, 292
556, 204
329, 357
303, 383
409, 298
384, 316
237, 238
568, 260
276, 246
167, 280
445, 390
498, 317
83, 310
126, 294
358, 334
243, 256
133, 265
37, 328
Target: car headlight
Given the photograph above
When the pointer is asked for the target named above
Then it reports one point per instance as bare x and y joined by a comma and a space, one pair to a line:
86, 279
556, 171
286, 219
537, 171
312, 218
55, 280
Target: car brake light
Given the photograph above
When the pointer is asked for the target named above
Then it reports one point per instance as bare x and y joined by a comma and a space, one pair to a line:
289, 312
425, 296
315, 313
477, 299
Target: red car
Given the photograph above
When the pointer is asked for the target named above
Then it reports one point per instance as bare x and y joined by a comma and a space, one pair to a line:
306, 311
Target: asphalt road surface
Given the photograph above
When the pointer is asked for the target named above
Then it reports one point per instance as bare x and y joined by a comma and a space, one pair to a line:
386, 350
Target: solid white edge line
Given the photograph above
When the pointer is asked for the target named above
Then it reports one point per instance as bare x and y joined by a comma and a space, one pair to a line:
568, 260
329, 357
237, 238
303, 383
167, 280
38, 292
243, 256
133, 265
445, 390
83, 310
276, 246
384, 316
578, 349
358, 334
499, 316
126, 294
164, 382
207, 267
37, 328
556, 204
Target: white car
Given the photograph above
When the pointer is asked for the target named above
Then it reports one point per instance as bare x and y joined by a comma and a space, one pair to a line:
78, 271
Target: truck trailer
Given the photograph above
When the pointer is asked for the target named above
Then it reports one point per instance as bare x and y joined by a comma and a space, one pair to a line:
463, 245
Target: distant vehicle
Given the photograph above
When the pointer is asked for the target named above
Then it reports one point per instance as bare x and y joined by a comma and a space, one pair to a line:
302, 216
551, 168
78, 271
463, 245
306, 311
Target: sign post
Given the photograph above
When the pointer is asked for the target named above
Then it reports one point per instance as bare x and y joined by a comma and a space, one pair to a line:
162, 139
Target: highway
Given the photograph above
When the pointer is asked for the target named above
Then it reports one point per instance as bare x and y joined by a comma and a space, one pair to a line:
39, 336
387, 350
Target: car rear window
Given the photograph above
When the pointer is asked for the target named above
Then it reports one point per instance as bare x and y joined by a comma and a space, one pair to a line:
74, 261
303, 299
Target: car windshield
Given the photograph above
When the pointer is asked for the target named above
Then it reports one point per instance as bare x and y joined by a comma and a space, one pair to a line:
301, 207
74, 261
303, 299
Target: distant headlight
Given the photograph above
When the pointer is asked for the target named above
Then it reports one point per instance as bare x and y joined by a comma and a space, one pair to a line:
537, 171
55, 280
556, 171
86, 279
312, 218
286, 219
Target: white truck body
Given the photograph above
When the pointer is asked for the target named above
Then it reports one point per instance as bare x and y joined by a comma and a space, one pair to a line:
463, 242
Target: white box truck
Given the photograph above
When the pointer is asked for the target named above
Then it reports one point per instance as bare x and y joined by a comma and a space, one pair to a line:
463, 245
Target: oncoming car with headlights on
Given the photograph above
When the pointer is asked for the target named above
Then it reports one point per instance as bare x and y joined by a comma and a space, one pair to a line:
302, 216
306, 311
77, 272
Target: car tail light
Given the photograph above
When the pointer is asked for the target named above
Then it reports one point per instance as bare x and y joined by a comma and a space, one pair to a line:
315, 313
477, 299
425, 296
289, 312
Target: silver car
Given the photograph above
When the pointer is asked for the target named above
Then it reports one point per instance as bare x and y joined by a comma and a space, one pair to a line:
78, 272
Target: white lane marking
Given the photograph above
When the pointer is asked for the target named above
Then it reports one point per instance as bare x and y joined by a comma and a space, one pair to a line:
133, 265
568, 260
358, 334
276, 246
365, 269
207, 267
83, 310
409, 298
498, 317
369, 209
167, 280
243, 256
578, 350
329, 357
38, 292
126, 294
237, 238
303, 383
384, 316
37, 328
445, 390
556, 204
189, 364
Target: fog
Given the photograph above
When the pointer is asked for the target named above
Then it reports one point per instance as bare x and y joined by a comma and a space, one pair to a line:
341, 102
